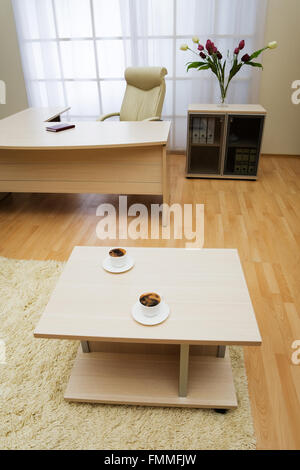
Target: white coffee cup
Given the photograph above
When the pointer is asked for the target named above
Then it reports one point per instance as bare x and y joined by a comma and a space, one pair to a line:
150, 303
118, 257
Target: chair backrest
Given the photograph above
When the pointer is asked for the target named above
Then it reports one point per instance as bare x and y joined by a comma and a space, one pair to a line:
145, 93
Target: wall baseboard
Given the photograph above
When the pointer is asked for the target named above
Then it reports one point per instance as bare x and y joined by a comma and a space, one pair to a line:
274, 155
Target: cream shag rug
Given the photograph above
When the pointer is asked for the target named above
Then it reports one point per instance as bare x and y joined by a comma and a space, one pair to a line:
34, 415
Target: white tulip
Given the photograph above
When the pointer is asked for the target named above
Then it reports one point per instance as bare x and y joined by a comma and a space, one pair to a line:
272, 45
195, 39
184, 47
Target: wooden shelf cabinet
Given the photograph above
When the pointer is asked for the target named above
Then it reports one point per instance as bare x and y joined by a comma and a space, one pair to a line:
224, 142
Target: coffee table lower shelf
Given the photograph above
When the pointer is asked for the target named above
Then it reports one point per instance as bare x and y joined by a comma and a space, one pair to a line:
150, 379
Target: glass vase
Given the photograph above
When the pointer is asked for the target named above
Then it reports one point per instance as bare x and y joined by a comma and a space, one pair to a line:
223, 96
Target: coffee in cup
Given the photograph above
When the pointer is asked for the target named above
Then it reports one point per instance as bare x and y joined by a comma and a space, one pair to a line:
118, 257
150, 303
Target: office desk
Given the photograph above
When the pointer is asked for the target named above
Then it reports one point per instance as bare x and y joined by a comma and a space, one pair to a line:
95, 157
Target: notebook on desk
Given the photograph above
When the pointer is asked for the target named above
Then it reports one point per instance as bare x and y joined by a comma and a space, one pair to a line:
60, 127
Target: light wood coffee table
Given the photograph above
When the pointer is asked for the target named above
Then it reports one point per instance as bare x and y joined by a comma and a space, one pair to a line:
181, 362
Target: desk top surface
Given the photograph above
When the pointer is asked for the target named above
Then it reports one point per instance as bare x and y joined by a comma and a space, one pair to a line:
26, 130
205, 289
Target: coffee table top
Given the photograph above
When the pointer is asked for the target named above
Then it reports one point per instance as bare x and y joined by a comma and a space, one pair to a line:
205, 289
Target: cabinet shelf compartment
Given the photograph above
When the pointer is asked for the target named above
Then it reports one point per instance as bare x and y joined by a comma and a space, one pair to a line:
233, 151
205, 136
205, 160
241, 161
244, 134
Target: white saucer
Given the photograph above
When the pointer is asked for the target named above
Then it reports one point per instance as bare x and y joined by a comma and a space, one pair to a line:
108, 267
140, 317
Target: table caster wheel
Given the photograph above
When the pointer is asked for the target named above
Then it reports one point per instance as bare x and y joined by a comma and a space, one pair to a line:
221, 411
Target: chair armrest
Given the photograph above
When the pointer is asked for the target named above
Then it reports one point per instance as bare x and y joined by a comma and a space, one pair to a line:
155, 118
106, 116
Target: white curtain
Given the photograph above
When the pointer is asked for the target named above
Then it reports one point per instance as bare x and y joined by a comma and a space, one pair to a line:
74, 52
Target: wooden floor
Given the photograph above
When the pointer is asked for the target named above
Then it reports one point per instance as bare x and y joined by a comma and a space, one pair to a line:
261, 219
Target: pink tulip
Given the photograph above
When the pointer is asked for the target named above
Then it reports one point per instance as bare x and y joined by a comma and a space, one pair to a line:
241, 45
202, 55
236, 50
209, 46
246, 58
219, 55
200, 47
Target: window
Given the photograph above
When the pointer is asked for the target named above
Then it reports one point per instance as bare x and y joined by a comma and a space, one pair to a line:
74, 52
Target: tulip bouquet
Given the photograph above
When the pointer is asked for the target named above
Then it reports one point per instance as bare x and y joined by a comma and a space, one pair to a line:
213, 59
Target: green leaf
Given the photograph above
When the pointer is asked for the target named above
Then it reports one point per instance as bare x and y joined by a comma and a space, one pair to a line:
204, 67
257, 53
254, 64
212, 66
234, 70
223, 70
194, 65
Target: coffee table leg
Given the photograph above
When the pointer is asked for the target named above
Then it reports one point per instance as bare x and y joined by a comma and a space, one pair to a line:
85, 346
184, 369
221, 351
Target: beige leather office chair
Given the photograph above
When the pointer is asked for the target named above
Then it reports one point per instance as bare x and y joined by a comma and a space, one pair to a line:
144, 95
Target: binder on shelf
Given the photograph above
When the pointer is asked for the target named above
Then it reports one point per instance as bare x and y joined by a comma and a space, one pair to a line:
196, 131
241, 164
211, 130
237, 168
244, 169
253, 153
239, 155
242, 155
246, 156
203, 131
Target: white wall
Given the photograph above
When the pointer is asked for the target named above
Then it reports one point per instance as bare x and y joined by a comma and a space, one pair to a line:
281, 68
10, 63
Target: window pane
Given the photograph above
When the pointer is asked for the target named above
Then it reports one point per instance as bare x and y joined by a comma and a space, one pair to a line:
78, 59
38, 94
240, 91
111, 58
168, 103
180, 133
112, 95
160, 17
107, 18
43, 60
193, 91
160, 53
236, 17
35, 19
46, 94
195, 17
73, 18
83, 98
